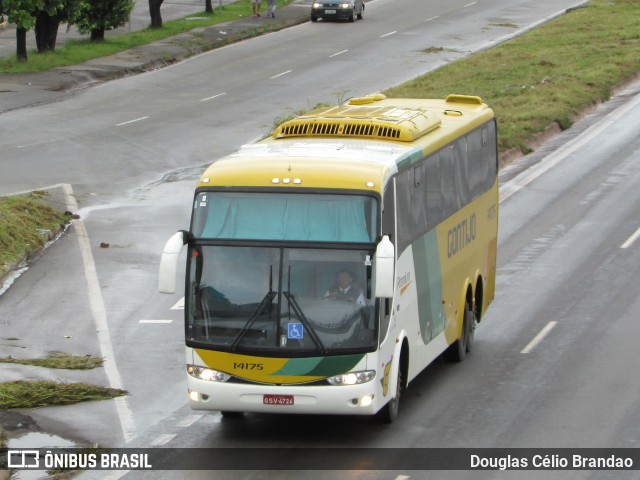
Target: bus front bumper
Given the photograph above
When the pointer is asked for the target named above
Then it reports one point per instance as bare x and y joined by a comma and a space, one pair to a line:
362, 399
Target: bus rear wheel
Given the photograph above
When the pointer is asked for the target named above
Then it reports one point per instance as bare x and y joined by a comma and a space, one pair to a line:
458, 350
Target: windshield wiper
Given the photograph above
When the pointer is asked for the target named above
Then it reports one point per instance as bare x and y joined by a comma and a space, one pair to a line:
268, 298
305, 321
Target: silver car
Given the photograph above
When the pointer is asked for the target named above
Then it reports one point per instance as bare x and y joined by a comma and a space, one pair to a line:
337, 10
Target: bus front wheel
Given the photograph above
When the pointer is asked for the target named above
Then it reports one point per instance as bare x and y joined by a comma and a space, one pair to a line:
389, 412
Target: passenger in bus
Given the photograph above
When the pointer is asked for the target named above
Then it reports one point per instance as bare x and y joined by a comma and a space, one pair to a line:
344, 289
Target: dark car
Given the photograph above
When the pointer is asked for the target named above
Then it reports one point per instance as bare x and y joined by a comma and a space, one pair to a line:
337, 10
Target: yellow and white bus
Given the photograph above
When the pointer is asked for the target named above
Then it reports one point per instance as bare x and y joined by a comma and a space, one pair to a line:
398, 198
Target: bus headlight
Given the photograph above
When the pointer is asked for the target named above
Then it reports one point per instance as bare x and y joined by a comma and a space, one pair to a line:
352, 378
208, 374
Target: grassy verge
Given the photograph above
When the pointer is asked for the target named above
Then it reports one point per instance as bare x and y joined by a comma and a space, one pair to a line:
59, 360
43, 393
25, 223
39, 393
550, 74
75, 52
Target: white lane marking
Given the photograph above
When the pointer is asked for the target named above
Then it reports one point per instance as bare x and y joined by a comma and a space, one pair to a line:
189, 420
213, 96
338, 53
99, 313
525, 178
156, 321
281, 74
538, 338
432, 18
631, 239
132, 121
162, 439
470, 4
388, 34
403, 477
179, 305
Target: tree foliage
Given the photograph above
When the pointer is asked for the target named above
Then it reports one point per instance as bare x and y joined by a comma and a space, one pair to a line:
49, 18
44, 15
97, 16
22, 14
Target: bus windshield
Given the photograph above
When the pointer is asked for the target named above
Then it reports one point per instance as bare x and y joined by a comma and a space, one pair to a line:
284, 216
280, 301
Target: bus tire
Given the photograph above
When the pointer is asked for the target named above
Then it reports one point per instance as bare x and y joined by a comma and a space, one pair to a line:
458, 349
389, 412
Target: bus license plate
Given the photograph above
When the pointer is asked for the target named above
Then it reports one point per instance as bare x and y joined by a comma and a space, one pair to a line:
277, 399
330, 12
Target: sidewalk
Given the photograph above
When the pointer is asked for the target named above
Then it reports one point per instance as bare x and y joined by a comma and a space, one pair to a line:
28, 89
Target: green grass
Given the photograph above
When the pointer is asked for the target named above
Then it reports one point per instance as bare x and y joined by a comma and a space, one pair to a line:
550, 74
23, 219
44, 393
75, 52
59, 360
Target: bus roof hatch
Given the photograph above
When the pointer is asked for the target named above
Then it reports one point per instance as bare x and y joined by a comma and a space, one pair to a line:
362, 121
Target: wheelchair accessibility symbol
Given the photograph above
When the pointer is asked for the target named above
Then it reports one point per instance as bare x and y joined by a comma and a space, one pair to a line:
295, 331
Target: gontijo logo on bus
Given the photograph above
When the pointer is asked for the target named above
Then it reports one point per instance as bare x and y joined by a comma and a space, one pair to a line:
461, 235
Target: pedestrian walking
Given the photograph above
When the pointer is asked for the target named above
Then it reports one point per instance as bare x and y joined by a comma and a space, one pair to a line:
255, 6
271, 8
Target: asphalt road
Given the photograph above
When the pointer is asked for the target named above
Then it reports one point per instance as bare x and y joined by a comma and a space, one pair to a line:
131, 150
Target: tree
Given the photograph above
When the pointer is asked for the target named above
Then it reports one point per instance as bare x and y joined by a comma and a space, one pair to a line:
49, 18
97, 16
154, 11
208, 7
21, 14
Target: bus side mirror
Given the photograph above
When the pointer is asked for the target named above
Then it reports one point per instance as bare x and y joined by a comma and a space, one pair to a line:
383, 264
169, 262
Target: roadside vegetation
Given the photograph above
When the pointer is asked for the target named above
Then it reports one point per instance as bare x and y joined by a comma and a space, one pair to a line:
549, 75
26, 224
44, 393
59, 360
78, 51
24, 394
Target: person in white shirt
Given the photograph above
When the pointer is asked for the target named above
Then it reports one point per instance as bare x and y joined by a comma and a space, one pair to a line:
344, 289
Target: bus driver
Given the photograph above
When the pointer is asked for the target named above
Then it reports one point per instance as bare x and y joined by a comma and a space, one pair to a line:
344, 289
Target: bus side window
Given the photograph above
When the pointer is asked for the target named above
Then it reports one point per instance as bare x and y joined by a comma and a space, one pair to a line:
450, 198
460, 159
434, 198
389, 212
477, 163
385, 317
